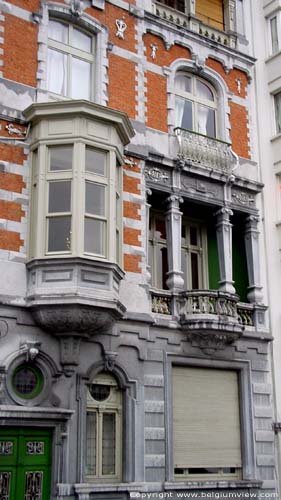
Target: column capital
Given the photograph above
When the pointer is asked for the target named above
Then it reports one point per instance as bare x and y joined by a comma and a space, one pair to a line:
223, 214
173, 201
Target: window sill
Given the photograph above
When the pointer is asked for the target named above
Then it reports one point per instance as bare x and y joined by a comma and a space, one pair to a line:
209, 484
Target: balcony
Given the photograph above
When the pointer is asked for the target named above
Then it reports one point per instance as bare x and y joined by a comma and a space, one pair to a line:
200, 150
210, 317
194, 24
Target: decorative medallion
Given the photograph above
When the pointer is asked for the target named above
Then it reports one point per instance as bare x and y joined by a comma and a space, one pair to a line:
155, 174
6, 447
35, 448
121, 28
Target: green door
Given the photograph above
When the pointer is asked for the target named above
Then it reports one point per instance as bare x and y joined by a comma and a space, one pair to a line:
25, 464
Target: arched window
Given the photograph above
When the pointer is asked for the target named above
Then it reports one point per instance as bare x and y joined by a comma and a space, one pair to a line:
104, 429
70, 61
196, 104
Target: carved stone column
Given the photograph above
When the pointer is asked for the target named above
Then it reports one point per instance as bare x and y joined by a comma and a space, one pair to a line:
173, 228
253, 259
224, 241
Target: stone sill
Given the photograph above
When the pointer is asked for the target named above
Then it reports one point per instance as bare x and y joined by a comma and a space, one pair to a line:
204, 485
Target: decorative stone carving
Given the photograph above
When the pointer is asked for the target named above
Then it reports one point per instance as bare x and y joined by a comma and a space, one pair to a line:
154, 48
200, 150
242, 198
224, 241
2, 384
31, 349
76, 8
76, 318
12, 130
207, 189
211, 343
109, 360
69, 353
156, 174
3, 328
121, 28
160, 304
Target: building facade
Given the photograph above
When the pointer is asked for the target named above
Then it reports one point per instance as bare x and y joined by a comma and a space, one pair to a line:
135, 338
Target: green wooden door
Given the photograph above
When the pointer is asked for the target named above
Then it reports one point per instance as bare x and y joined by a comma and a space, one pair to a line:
25, 464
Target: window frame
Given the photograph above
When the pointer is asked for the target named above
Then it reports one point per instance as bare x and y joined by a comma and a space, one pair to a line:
70, 52
277, 127
277, 16
246, 411
196, 101
100, 408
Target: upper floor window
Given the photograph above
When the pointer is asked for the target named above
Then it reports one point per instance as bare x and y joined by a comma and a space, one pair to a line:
104, 429
275, 33
277, 106
196, 104
70, 61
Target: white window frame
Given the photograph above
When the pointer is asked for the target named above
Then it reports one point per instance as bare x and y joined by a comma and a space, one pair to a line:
113, 405
196, 101
277, 128
70, 52
277, 16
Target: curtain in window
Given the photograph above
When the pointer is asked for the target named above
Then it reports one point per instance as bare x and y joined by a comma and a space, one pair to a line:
57, 72
179, 111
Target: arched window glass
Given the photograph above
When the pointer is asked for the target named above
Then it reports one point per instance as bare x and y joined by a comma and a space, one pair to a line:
70, 61
196, 105
104, 429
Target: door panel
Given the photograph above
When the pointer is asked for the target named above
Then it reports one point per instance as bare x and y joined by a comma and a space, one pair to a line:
25, 464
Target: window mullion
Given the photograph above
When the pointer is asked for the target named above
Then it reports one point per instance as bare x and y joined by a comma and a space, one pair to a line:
111, 207
78, 198
41, 237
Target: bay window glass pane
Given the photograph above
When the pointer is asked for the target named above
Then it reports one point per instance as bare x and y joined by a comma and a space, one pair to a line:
277, 103
91, 440
274, 35
108, 444
193, 236
160, 229
81, 41
184, 113
59, 233
57, 72
95, 161
61, 158
58, 31
94, 236
81, 76
203, 91
94, 200
184, 266
59, 196
183, 83
206, 121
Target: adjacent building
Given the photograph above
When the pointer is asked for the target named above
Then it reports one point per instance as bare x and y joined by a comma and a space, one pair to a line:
135, 338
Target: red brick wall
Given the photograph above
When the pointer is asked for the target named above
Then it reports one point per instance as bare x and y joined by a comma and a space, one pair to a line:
239, 130
31, 5
11, 210
11, 182
131, 184
10, 240
132, 263
20, 50
122, 85
131, 210
157, 112
131, 236
164, 57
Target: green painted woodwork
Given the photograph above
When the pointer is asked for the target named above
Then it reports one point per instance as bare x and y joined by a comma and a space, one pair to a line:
239, 263
213, 259
29, 457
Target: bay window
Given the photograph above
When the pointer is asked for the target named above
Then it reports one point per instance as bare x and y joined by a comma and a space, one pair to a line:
277, 107
70, 61
195, 105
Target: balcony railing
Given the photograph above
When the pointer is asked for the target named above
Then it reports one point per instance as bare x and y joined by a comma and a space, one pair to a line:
205, 151
161, 303
194, 24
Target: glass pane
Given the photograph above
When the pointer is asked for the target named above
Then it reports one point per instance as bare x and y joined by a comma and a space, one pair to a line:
274, 35
81, 76
94, 200
184, 113
206, 121
81, 41
94, 236
203, 91
61, 158
57, 72
193, 236
184, 267
194, 271
277, 103
58, 31
25, 380
160, 229
164, 268
91, 440
59, 234
108, 444
59, 196
183, 83
95, 161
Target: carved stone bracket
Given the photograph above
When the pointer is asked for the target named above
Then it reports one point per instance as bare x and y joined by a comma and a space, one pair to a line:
69, 353
109, 360
3, 328
214, 342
